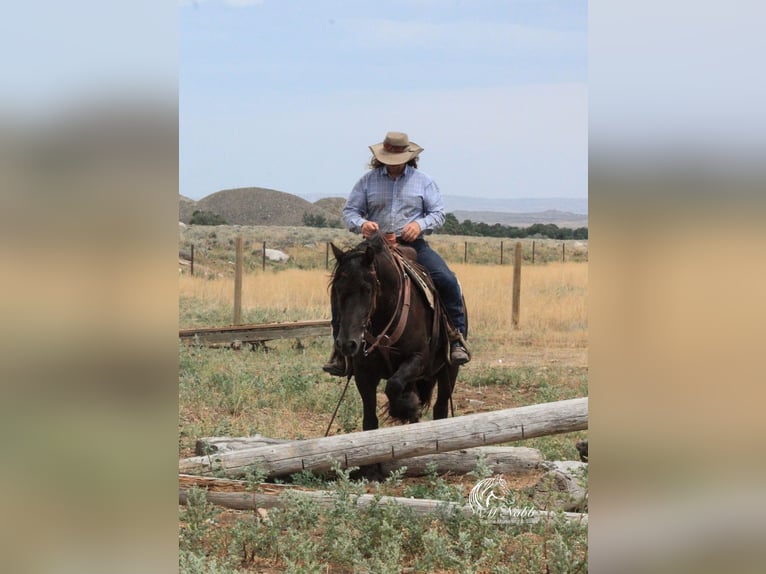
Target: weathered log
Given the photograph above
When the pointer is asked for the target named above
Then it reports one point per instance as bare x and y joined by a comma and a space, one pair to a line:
223, 493
561, 487
211, 444
498, 459
394, 443
254, 333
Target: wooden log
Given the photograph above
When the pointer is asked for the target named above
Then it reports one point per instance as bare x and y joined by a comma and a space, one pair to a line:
225, 336
498, 459
561, 486
234, 494
394, 443
212, 444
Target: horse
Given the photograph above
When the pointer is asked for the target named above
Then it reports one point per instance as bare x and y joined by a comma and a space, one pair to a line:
387, 329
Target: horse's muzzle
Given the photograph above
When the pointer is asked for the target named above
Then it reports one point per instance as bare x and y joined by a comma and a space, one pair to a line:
349, 347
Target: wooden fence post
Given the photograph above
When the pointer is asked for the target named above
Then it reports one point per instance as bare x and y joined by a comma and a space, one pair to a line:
533, 252
192, 259
563, 246
327, 255
465, 253
516, 286
263, 257
238, 283
501, 253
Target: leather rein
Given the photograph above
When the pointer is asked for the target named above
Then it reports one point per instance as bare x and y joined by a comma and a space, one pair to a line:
392, 332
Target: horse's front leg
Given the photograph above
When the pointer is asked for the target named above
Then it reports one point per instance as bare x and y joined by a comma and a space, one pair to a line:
446, 380
403, 402
367, 386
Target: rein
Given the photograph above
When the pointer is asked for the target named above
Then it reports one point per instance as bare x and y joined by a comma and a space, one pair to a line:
385, 341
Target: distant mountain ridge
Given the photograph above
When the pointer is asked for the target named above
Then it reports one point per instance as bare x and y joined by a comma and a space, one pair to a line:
452, 203
263, 206
559, 218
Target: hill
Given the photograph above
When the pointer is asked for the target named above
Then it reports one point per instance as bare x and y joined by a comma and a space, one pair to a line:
186, 207
254, 206
262, 206
332, 205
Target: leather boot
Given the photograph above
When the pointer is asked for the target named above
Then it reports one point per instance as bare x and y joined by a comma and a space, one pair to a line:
337, 366
459, 353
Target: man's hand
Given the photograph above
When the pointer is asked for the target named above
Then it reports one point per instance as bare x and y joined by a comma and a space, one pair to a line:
411, 232
369, 228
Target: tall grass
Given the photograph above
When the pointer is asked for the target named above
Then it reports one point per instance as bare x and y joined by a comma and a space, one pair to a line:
552, 310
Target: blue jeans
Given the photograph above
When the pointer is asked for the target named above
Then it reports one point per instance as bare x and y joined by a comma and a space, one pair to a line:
444, 280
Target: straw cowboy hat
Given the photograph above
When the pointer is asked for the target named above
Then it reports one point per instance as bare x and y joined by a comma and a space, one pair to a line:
396, 149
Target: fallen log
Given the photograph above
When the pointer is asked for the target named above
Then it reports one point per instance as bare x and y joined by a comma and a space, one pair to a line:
211, 444
223, 493
394, 443
562, 486
498, 459
253, 333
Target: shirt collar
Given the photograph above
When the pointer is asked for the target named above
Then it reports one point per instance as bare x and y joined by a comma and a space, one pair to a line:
407, 171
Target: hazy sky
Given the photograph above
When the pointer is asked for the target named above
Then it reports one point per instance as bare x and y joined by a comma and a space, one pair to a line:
289, 94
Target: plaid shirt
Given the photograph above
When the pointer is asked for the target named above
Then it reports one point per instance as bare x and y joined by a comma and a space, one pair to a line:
392, 204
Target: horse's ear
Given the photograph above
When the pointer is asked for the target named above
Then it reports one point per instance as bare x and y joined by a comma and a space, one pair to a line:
376, 241
337, 252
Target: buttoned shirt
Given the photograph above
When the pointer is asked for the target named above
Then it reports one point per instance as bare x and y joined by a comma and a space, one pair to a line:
393, 203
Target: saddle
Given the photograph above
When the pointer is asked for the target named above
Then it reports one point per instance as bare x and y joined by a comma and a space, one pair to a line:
418, 273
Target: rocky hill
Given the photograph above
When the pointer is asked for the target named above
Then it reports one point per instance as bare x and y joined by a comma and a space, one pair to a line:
186, 207
258, 206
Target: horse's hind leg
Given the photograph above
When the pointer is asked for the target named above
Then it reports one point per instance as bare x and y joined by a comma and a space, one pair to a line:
446, 385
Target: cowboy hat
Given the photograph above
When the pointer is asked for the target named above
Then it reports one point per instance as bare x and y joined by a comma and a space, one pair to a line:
396, 149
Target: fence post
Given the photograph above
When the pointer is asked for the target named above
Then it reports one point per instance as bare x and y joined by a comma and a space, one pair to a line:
238, 284
327, 255
533, 252
563, 245
516, 286
465, 253
263, 257
192, 259
501, 253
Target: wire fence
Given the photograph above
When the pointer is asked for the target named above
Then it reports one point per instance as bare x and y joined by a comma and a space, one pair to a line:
206, 248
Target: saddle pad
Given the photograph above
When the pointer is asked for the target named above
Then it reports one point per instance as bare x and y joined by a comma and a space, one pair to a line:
420, 278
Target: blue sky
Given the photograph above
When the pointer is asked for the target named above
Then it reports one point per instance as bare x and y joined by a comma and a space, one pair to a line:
289, 94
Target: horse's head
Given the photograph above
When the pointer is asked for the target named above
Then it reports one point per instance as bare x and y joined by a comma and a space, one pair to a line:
354, 287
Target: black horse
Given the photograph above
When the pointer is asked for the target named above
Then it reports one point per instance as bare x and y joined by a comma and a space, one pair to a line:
389, 330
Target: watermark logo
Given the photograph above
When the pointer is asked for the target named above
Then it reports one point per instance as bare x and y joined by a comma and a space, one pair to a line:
493, 499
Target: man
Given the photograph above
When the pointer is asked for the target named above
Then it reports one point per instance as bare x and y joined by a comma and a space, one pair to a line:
395, 197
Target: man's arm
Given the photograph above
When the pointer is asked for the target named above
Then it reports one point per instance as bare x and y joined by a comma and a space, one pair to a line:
355, 210
433, 209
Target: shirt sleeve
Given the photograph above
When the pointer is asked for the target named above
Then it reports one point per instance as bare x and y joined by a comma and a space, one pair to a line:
355, 210
433, 209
